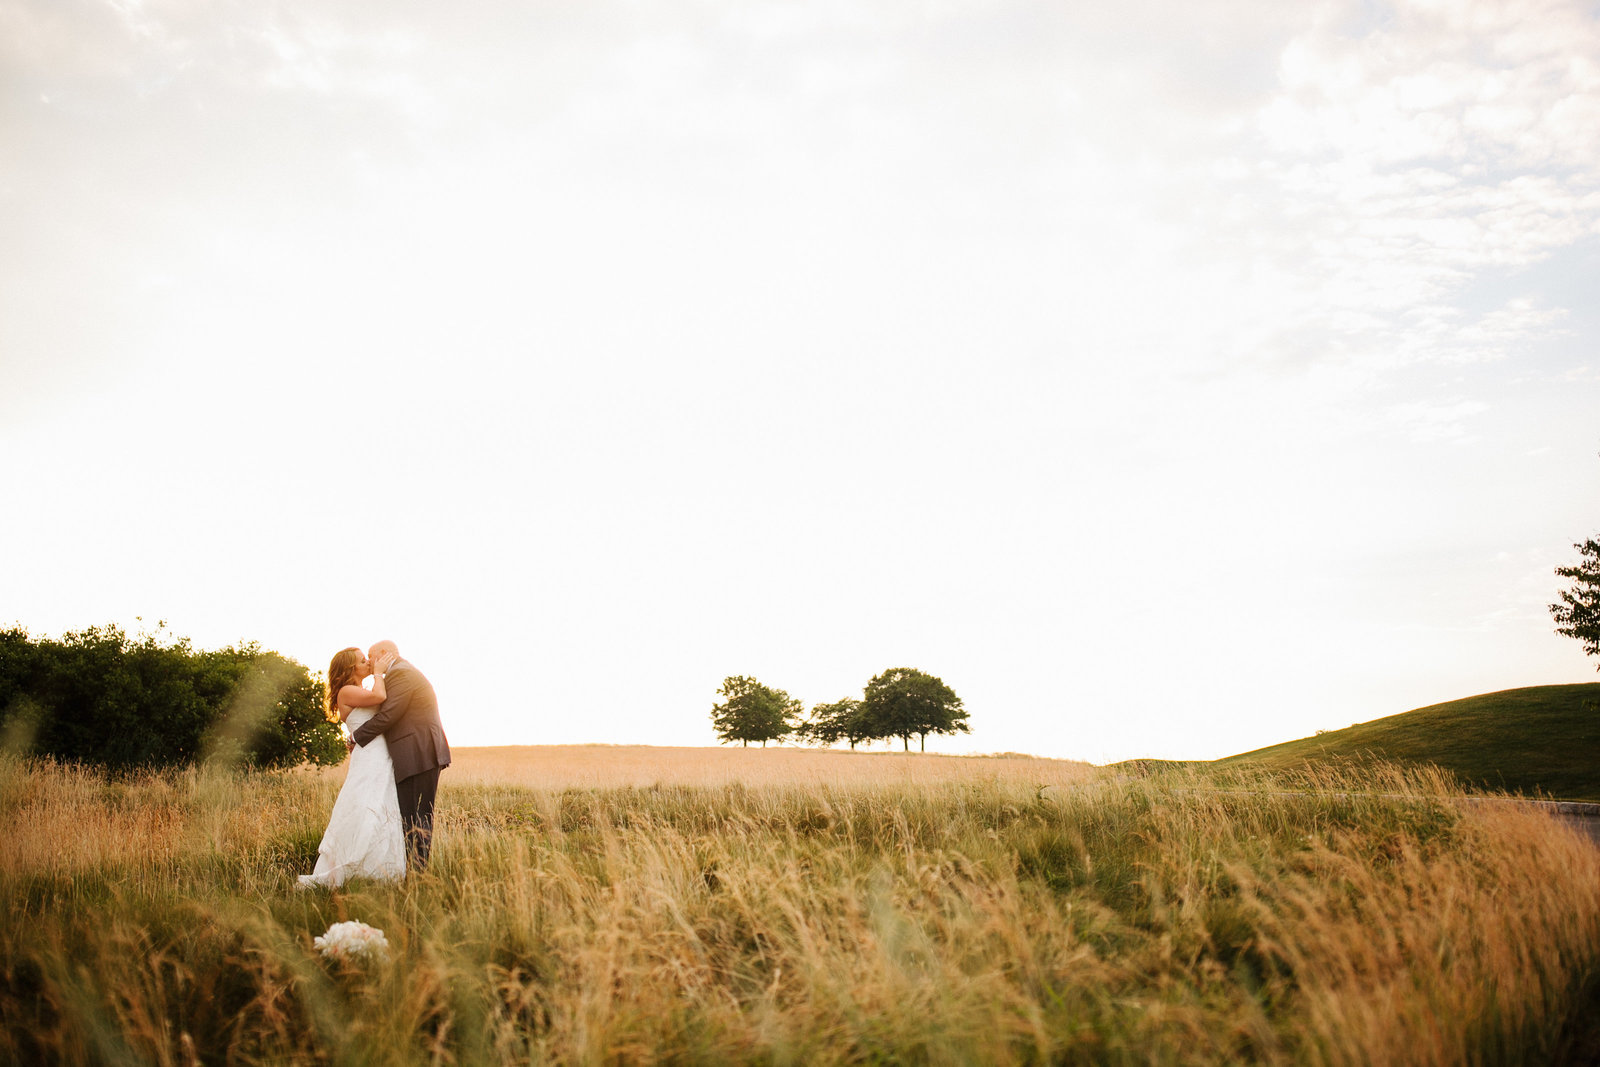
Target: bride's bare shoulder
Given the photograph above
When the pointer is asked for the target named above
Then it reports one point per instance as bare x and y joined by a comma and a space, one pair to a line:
352, 697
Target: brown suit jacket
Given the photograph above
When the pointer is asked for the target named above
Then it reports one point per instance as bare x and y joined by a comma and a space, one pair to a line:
408, 719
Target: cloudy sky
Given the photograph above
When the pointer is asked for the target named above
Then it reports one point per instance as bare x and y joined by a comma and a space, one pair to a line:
1171, 379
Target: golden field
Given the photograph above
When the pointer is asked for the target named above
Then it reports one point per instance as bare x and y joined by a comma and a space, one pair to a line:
641, 766
593, 904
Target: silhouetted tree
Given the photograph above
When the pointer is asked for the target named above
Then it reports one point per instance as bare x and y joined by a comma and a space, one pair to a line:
753, 712
1578, 614
902, 701
842, 720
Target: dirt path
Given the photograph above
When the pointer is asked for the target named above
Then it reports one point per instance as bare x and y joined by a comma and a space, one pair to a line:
1584, 818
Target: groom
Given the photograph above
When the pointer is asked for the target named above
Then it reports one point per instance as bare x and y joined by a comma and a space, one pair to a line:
408, 719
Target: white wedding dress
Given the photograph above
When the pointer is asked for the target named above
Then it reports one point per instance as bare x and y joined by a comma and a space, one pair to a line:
364, 838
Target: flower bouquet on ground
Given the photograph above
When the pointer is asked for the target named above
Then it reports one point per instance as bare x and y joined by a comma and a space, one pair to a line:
353, 942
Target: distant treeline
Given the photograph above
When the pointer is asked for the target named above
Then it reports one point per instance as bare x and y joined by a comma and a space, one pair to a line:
901, 702
98, 696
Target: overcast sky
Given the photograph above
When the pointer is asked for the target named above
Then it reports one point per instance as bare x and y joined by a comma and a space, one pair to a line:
1171, 379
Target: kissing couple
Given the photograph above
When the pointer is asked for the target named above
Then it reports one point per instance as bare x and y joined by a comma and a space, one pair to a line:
382, 822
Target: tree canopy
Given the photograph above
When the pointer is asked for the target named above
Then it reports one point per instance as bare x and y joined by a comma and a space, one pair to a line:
902, 702
1578, 614
841, 720
753, 712
98, 696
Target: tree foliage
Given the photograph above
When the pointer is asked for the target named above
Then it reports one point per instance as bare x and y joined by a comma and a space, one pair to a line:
840, 721
98, 696
753, 712
1578, 614
902, 702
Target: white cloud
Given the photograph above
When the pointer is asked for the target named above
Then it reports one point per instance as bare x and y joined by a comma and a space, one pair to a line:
1430, 421
1400, 158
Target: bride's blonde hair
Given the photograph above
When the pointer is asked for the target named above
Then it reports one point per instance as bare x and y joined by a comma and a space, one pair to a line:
341, 672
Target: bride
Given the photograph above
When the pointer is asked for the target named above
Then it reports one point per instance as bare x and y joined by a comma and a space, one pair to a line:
364, 838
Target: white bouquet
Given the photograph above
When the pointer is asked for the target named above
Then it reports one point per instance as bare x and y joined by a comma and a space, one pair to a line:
353, 941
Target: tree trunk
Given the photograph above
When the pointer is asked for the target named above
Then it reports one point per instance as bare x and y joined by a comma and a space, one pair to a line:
922, 742
745, 742
905, 739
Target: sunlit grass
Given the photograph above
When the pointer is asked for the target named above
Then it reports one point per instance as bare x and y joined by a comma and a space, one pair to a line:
1538, 740
980, 914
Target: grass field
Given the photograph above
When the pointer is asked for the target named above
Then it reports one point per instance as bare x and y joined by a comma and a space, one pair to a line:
641, 766
1541, 740
635, 905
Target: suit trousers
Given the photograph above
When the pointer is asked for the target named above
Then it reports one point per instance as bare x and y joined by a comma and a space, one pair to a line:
416, 795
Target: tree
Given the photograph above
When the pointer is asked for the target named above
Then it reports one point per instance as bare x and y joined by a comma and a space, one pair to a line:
753, 712
842, 720
1578, 614
99, 697
902, 701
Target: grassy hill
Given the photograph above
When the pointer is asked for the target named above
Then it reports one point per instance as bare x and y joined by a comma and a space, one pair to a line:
1542, 739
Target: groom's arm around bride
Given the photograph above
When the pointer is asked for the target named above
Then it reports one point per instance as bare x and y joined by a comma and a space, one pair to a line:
408, 720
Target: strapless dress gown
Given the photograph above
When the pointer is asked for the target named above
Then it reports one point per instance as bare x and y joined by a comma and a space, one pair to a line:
364, 838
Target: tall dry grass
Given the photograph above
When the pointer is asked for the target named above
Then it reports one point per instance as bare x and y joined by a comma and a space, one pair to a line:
996, 919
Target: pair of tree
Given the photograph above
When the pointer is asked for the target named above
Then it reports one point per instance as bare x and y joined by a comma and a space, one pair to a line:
97, 696
901, 702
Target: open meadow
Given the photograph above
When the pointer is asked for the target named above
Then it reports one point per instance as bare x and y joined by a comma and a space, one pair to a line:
624, 905
643, 766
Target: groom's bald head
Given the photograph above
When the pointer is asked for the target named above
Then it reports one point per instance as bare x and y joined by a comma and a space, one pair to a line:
381, 647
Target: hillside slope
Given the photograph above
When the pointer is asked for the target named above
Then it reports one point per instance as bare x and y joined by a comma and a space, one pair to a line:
1542, 739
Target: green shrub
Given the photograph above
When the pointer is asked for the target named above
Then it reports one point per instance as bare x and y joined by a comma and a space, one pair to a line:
98, 696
